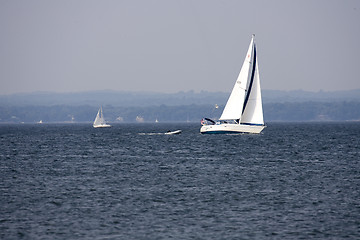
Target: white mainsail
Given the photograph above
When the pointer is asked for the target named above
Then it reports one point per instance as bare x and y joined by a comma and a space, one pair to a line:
253, 112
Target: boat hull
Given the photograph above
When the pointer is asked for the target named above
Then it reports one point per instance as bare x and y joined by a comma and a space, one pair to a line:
102, 126
231, 128
173, 132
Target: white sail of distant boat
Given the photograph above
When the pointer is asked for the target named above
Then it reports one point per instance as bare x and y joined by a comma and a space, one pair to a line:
243, 111
99, 121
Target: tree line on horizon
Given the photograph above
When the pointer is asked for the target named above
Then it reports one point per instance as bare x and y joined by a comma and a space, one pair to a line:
294, 111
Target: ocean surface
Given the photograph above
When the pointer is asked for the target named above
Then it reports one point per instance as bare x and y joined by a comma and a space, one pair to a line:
71, 181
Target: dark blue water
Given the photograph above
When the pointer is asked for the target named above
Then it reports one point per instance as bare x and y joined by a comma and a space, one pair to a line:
293, 181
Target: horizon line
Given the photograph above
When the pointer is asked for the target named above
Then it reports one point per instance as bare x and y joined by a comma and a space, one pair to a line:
169, 93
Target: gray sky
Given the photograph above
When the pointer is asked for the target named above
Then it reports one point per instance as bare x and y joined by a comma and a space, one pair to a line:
177, 45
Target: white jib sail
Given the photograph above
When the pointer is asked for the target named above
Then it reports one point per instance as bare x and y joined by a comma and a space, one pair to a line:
253, 112
234, 106
97, 120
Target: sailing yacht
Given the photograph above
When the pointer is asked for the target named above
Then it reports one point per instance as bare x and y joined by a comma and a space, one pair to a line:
243, 111
99, 121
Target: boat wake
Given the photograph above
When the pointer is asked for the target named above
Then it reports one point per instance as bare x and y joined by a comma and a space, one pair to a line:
150, 134
166, 133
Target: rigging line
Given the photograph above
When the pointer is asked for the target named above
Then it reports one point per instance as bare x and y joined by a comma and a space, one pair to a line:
251, 81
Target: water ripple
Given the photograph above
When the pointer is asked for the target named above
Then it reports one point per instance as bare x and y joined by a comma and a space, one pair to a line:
293, 181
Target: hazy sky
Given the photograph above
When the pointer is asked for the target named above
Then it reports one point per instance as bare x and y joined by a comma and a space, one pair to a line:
177, 45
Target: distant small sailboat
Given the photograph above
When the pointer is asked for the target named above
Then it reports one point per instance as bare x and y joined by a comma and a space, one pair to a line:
40, 122
243, 111
99, 121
